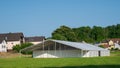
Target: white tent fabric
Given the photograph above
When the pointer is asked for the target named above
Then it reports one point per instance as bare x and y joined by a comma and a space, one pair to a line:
81, 50
83, 46
78, 45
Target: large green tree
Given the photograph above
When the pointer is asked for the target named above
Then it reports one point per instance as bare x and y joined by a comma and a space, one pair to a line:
83, 34
97, 33
86, 33
64, 33
113, 31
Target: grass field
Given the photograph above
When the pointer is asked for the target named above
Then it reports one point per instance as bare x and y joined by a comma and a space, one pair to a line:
112, 61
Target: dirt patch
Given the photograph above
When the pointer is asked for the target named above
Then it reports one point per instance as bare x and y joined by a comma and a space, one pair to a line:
13, 55
9, 55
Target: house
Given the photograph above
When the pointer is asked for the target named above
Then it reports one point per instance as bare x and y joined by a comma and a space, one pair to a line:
111, 43
12, 39
59, 49
117, 46
34, 40
3, 46
115, 40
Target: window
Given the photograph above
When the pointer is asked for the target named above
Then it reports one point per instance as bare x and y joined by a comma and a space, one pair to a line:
3, 46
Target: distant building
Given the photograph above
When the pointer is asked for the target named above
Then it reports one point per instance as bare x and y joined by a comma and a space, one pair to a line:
117, 46
8, 40
110, 43
115, 40
35, 39
12, 39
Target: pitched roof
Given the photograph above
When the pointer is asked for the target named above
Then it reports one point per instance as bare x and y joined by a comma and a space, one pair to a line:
34, 39
82, 46
115, 40
11, 36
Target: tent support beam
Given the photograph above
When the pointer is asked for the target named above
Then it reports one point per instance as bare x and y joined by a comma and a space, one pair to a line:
81, 53
43, 48
55, 48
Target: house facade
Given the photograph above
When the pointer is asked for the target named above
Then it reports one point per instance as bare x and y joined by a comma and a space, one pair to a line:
111, 43
12, 39
35, 40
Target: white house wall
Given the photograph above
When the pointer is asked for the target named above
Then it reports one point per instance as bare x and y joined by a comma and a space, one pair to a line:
10, 44
56, 54
35, 42
3, 47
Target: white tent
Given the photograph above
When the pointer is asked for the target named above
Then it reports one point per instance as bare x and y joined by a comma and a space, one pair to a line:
59, 49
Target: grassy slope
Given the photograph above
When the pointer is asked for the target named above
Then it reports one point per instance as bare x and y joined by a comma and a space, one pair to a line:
96, 62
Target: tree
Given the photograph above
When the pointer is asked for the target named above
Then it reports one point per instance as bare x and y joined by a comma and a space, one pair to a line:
87, 34
64, 33
59, 37
83, 33
97, 33
113, 31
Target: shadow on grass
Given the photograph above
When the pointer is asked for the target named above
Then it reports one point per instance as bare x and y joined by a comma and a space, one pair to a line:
89, 66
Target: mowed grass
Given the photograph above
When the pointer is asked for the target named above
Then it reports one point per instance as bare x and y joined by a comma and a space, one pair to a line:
96, 62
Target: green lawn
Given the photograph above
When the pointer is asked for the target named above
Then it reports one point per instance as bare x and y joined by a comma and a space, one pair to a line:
97, 62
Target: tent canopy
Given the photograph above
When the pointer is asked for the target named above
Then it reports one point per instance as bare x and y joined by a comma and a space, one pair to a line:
78, 45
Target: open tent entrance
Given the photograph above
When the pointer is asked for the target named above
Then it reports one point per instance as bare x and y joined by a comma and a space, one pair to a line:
99, 53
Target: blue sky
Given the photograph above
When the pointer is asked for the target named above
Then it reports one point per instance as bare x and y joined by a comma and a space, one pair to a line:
42, 17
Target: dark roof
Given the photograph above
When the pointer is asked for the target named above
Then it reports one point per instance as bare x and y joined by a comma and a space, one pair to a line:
115, 40
11, 36
105, 41
34, 39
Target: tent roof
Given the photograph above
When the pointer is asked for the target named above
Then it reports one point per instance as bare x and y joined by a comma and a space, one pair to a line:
78, 45
83, 46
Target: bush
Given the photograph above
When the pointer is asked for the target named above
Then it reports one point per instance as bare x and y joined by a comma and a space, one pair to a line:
116, 49
18, 47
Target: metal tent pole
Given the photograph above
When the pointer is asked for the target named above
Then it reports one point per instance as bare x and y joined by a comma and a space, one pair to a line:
43, 48
48, 51
60, 51
81, 53
55, 48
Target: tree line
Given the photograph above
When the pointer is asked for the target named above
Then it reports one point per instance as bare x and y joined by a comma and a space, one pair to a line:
86, 33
